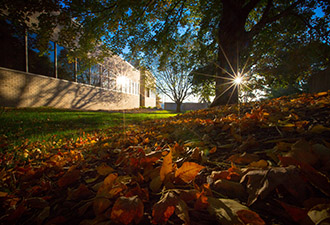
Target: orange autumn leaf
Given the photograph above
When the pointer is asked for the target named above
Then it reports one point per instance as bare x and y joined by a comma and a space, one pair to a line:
166, 166
188, 171
244, 158
107, 185
110, 179
127, 209
213, 150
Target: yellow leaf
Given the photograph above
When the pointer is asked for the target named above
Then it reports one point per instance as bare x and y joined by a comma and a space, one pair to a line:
188, 171
320, 94
166, 167
259, 164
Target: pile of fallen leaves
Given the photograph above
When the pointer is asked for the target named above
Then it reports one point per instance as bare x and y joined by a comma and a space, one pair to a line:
258, 163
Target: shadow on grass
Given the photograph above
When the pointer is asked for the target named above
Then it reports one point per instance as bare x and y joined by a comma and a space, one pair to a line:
37, 124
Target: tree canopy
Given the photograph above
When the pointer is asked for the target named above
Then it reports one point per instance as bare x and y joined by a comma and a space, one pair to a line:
226, 32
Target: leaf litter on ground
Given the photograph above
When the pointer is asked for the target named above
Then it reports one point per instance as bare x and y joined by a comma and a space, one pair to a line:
262, 162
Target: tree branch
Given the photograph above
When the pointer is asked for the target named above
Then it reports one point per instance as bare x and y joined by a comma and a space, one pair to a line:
266, 20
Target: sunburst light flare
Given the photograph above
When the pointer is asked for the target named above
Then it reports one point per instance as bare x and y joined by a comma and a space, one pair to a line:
238, 80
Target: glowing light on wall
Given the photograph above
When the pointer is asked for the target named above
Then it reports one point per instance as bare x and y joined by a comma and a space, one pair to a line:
121, 80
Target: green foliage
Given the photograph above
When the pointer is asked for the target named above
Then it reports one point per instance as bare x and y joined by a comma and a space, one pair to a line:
200, 32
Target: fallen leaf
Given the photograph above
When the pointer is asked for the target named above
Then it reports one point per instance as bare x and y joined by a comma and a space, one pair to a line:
104, 169
70, 177
229, 188
3, 194
100, 204
36, 203
166, 206
142, 193
261, 182
302, 151
297, 214
201, 201
315, 177
155, 184
250, 217
196, 154
188, 195
244, 158
318, 129
16, 214
320, 214
82, 192
263, 164
166, 166
228, 212
188, 171
213, 150
320, 94
127, 209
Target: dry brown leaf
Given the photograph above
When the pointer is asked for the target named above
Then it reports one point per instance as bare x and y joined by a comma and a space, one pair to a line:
297, 214
196, 154
100, 204
315, 177
82, 192
250, 217
261, 182
228, 212
302, 151
127, 209
70, 177
166, 206
229, 188
244, 158
155, 184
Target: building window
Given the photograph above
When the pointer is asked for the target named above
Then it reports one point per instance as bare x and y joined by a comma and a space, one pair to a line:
148, 92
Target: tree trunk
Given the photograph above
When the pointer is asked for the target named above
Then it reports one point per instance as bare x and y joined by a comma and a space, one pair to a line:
232, 38
178, 107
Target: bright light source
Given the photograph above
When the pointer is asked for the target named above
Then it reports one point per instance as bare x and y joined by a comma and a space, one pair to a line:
121, 80
238, 80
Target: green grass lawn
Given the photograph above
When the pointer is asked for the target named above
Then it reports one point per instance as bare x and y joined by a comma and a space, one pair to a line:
37, 124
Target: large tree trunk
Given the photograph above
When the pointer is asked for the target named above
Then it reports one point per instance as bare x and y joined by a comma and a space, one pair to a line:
178, 107
232, 38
